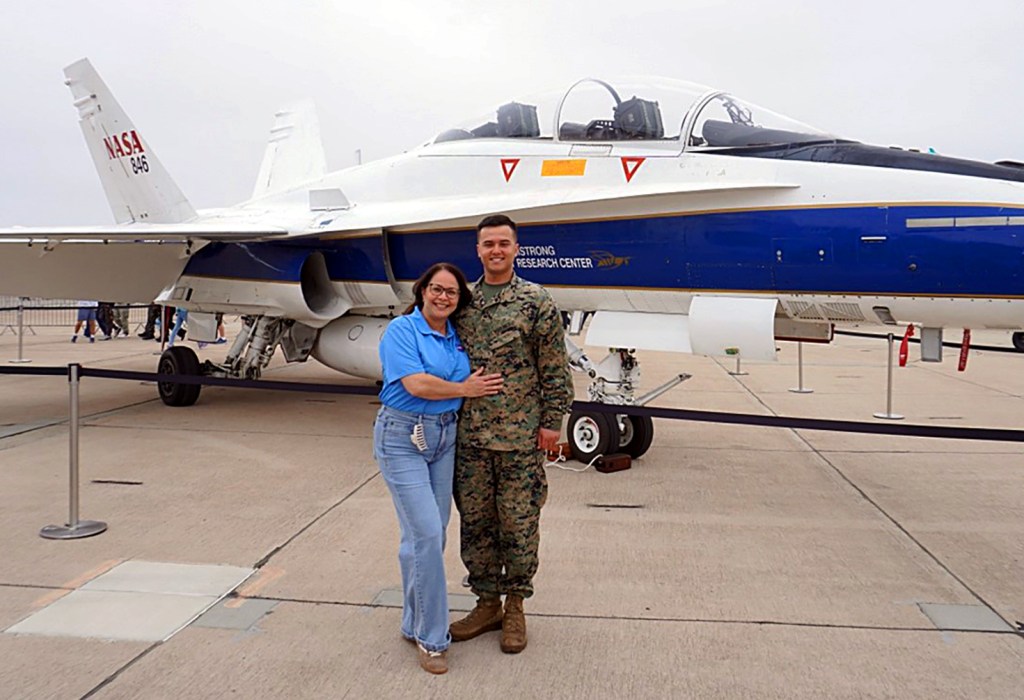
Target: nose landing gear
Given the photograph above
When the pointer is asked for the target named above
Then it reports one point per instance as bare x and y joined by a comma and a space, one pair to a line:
594, 434
615, 378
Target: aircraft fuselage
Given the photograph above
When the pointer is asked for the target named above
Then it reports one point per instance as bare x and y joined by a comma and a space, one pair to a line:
830, 241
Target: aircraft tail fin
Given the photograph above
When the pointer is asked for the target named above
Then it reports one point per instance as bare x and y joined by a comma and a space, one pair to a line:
294, 152
137, 186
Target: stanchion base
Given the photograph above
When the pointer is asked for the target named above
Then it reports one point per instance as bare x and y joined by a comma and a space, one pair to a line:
739, 374
800, 390
83, 528
19, 361
889, 416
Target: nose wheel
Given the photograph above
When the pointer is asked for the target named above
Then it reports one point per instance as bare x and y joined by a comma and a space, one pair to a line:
591, 434
635, 435
594, 434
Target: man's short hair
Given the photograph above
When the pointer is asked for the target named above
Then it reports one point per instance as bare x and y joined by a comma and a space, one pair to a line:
497, 220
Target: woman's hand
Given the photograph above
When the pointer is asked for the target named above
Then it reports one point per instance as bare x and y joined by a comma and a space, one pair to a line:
480, 384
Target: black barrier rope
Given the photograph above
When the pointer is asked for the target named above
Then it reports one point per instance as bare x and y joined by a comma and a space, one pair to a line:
845, 426
42, 371
225, 381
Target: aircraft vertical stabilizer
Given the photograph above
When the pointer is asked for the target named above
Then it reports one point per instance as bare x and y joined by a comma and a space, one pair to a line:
138, 187
294, 152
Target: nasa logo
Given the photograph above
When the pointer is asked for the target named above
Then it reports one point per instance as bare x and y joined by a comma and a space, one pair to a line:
126, 144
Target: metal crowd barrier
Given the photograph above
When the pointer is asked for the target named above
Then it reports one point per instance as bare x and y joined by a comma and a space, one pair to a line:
49, 313
76, 528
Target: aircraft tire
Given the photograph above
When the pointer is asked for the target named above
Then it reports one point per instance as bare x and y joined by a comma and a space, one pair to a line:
591, 435
178, 360
637, 433
1018, 341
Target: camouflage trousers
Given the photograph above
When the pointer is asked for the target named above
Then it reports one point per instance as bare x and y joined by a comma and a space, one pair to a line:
499, 496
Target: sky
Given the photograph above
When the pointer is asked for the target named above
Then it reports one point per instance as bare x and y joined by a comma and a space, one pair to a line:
204, 77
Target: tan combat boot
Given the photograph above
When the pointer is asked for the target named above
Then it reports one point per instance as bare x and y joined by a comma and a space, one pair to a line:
485, 617
513, 625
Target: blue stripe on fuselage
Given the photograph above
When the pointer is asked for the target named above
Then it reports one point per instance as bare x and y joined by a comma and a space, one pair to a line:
783, 250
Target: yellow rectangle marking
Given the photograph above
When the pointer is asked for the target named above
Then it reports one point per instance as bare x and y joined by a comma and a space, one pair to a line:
75, 583
265, 576
563, 168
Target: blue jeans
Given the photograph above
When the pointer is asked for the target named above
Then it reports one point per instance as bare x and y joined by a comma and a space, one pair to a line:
421, 487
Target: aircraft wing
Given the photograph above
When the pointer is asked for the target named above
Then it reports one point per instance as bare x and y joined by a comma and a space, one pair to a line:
525, 207
143, 232
126, 263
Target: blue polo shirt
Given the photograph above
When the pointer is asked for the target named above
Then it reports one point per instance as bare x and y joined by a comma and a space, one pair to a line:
410, 346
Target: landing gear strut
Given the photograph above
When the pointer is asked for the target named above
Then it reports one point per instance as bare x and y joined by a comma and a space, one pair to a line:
249, 355
615, 379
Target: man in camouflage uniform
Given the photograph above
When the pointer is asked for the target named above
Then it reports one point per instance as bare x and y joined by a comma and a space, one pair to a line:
514, 328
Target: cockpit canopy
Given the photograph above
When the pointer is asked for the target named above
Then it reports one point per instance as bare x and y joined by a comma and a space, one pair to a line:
656, 109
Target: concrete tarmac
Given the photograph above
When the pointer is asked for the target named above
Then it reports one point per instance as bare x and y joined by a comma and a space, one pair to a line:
729, 562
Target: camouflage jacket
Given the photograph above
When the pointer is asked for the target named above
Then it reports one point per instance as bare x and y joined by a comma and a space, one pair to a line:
518, 333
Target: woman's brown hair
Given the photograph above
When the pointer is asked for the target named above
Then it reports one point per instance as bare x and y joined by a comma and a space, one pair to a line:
465, 295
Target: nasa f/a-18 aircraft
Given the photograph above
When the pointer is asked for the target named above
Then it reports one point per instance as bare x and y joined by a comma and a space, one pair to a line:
674, 216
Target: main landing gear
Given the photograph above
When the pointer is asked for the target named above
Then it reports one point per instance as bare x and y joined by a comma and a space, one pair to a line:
615, 379
178, 359
249, 355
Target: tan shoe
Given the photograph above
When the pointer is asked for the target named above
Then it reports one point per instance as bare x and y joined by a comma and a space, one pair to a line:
485, 617
513, 626
435, 662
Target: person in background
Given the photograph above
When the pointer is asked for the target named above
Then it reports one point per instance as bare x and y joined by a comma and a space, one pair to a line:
221, 334
177, 332
152, 316
120, 318
86, 317
105, 319
426, 376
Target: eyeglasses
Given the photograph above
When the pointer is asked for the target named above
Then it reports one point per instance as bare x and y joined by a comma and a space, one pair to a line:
437, 290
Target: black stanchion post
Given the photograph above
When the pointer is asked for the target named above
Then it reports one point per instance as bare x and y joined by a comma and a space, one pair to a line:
74, 529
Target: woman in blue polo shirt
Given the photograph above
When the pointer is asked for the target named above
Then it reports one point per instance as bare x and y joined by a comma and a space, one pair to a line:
426, 376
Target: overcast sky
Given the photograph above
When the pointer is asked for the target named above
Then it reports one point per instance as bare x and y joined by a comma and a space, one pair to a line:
203, 77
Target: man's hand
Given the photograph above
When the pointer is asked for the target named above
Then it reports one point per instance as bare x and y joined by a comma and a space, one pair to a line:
547, 440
